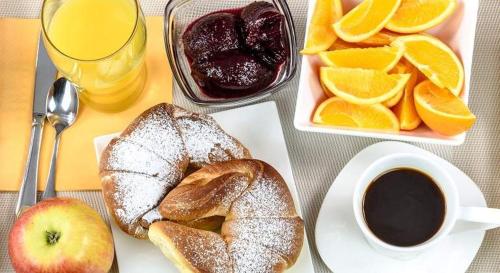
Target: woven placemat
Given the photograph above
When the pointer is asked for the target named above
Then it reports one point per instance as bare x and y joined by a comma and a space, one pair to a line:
317, 159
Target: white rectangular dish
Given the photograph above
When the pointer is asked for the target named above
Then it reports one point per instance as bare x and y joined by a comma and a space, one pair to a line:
458, 32
258, 127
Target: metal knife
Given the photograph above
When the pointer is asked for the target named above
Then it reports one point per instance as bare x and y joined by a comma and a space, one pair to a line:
45, 75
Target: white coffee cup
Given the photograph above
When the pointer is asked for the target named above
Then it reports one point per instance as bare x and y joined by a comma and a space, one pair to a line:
454, 212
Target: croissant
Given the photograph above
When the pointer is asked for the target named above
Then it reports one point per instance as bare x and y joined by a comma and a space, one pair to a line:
260, 233
152, 155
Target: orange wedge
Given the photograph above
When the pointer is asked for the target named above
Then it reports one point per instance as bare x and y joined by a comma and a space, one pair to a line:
400, 68
320, 33
441, 110
419, 15
337, 112
405, 109
341, 44
434, 59
366, 19
382, 38
362, 86
327, 92
379, 58
394, 100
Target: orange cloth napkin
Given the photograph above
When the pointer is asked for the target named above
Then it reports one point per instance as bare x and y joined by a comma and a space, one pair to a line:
77, 165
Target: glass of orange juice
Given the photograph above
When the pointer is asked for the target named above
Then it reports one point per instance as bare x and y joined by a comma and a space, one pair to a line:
99, 45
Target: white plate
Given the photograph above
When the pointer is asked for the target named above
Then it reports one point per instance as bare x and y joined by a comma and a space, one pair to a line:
258, 127
458, 32
343, 248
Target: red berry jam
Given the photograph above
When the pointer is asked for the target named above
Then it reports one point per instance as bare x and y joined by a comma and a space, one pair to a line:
236, 53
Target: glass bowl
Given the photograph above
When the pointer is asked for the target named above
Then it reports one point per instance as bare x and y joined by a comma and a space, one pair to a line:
179, 14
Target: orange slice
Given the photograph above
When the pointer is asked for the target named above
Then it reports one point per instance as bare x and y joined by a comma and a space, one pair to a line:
337, 112
326, 91
379, 58
405, 109
441, 110
320, 33
366, 19
362, 86
341, 44
419, 15
434, 59
400, 68
382, 38
394, 100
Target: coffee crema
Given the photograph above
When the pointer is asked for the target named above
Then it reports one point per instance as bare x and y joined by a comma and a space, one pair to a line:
404, 207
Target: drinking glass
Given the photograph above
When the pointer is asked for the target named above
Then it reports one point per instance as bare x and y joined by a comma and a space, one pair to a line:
100, 46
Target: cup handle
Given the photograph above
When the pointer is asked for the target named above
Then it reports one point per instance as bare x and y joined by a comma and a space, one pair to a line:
477, 218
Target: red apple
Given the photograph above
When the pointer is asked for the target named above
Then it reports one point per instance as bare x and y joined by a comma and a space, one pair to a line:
61, 235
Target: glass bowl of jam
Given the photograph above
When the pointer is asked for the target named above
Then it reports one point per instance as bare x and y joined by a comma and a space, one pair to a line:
232, 52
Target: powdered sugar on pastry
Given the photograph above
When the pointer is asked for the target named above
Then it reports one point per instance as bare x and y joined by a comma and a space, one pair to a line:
205, 141
157, 132
278, 234
150, 217
142, 161
264, 198
204, 249
249, 257
137, 194
207, 248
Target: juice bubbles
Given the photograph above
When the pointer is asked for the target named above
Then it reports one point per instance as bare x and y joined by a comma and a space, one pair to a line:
99, 45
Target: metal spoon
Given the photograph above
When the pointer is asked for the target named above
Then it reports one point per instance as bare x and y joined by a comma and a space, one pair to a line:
62, 109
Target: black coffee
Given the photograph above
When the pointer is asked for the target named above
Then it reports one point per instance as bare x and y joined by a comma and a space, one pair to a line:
404, 207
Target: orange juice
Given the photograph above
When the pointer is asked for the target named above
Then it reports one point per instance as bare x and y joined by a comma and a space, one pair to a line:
99, 45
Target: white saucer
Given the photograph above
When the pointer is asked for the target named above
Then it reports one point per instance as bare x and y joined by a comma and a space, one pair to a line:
342, 246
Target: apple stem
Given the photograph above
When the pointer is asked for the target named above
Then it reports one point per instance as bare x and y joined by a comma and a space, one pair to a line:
52, 237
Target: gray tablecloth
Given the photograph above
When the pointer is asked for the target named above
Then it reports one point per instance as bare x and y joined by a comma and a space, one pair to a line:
316, 158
